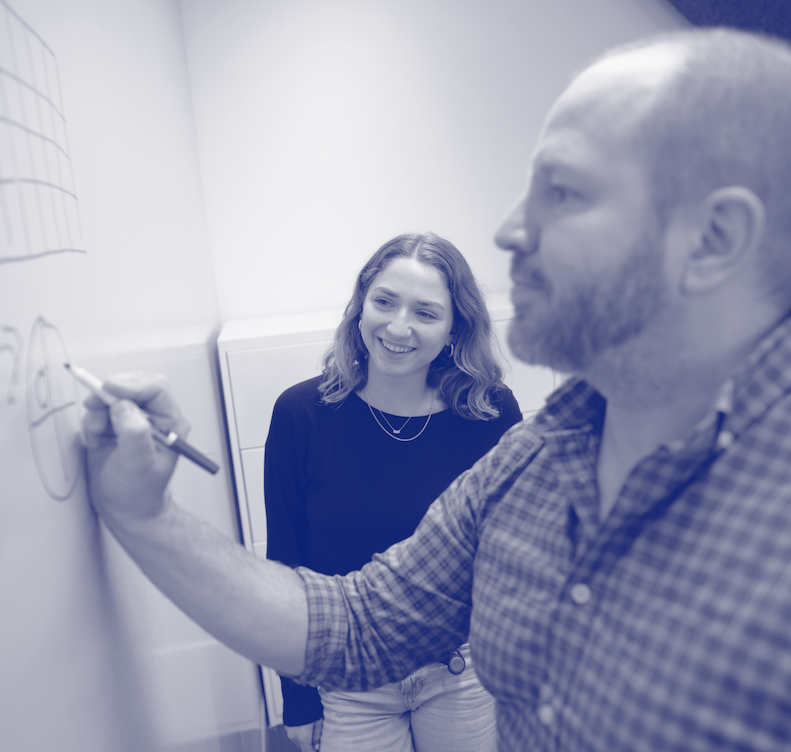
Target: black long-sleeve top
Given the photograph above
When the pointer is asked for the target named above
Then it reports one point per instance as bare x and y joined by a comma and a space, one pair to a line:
338, 489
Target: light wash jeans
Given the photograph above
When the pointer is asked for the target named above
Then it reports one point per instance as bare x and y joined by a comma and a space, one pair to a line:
430, 711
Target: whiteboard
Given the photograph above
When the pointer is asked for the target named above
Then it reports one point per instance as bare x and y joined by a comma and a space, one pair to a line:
92, 657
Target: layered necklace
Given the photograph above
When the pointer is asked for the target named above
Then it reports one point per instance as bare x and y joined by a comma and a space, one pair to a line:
392, 432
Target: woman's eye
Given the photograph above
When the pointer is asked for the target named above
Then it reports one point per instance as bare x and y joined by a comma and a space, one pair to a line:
560, 193
426, 315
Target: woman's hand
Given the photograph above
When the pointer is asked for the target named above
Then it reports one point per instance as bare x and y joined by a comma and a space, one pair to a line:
307, 737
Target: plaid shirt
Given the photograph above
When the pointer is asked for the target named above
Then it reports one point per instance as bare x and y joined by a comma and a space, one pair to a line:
665, 627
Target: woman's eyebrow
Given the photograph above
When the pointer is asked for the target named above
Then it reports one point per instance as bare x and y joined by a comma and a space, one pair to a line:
423, 303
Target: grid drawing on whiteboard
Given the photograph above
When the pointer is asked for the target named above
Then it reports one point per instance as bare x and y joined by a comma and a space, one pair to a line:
38, 203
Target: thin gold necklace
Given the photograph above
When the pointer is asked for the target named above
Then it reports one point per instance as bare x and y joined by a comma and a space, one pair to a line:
392, 435
394, 430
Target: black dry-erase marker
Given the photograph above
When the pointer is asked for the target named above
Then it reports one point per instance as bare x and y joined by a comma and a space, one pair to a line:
169, 439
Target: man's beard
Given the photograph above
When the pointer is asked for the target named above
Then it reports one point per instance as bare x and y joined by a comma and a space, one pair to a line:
595, 315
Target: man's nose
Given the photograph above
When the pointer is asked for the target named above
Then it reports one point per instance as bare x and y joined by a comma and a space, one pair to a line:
514, 233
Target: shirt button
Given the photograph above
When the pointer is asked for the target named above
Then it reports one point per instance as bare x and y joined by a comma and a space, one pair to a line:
546, 714
580, 594
724, 439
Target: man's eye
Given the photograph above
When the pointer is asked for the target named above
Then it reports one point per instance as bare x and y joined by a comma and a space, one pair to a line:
560, 193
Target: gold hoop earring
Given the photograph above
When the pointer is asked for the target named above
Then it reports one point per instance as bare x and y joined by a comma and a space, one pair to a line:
452, 348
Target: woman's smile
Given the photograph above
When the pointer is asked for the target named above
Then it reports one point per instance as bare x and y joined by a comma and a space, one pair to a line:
393, 348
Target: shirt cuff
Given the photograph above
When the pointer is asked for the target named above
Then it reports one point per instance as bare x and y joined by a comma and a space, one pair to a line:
327, 629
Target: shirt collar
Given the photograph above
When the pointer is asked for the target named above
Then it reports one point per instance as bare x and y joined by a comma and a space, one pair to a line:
753, 387
575, 404
762, 379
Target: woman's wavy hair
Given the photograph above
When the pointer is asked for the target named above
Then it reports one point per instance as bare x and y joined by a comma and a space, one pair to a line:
468, 379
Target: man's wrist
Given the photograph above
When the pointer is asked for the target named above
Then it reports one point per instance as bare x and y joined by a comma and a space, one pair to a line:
138, 519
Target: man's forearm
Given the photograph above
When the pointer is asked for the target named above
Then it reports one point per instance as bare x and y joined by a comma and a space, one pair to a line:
256, 607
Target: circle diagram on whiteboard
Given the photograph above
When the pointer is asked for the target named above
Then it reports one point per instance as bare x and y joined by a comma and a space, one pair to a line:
53, 411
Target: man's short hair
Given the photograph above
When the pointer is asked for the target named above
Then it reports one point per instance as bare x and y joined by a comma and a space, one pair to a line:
724, 119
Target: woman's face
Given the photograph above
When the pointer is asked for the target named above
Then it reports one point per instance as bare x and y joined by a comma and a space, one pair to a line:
407, 318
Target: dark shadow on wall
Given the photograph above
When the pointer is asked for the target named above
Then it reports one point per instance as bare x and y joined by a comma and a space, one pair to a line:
769, 16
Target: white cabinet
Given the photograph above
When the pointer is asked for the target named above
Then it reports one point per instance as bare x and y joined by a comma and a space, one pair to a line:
259, 359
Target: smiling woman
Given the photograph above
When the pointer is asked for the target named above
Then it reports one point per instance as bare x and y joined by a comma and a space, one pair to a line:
410, 397
406, 322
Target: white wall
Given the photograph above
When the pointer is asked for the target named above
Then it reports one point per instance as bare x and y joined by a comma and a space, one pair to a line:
324, 128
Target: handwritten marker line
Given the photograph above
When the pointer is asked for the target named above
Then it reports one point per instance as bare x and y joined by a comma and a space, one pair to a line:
168, 439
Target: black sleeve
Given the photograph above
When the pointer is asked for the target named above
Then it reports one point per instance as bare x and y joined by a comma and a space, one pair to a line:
286, 521
301, 704
285, 483
509, 409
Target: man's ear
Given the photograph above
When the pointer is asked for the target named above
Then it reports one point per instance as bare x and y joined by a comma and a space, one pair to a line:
731, 225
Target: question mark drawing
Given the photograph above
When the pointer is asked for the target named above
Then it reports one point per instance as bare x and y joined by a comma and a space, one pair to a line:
53, 411
10, 355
